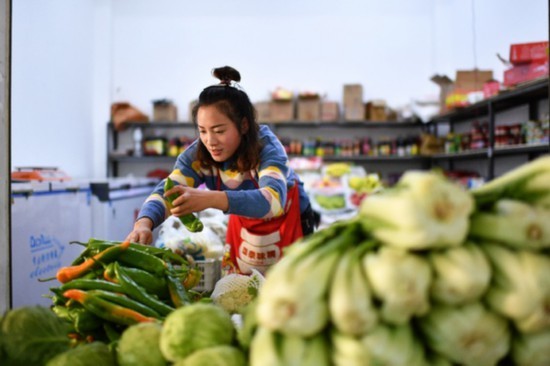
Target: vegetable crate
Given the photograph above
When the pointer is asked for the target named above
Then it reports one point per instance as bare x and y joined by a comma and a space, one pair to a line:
211, 269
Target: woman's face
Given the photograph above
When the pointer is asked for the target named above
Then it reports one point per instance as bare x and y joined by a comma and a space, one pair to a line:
218, 133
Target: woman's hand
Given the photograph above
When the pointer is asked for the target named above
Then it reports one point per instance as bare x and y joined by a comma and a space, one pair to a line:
142, 232
194, 200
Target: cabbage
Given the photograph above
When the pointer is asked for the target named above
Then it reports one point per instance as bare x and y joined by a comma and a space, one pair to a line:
33, 335
139, 345
88, 354
193, 327
214, 356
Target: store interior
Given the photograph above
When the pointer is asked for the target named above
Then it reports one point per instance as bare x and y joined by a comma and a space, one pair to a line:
71, 61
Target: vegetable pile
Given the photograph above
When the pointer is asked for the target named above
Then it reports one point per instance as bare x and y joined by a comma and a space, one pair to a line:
113, 285
427, 274
194, 335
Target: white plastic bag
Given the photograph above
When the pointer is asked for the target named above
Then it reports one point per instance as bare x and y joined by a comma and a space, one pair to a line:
201, 245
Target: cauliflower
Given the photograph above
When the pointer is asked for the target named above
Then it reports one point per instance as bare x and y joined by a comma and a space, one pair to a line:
233, 292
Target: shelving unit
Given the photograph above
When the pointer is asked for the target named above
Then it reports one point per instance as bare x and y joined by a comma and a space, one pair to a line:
529, 94
117, 139
115, 160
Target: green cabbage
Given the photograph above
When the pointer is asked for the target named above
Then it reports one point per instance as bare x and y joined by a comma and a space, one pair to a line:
193, 327
33, 335
89, 354
214, 356
139, 345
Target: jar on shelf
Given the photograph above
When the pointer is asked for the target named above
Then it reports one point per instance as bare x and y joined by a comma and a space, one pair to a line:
515, 136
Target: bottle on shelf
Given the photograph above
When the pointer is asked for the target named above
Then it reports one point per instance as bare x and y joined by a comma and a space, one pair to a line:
138, 141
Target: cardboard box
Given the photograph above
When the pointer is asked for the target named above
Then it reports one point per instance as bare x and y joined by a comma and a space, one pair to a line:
262, 111
528, 52
330, 111
165, 111
377, 111
446, 87
309, 110
354, 108
281, 111
471, 80
525, 72
455, 93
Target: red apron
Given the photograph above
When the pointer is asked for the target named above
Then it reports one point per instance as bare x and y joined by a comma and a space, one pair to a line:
257, 243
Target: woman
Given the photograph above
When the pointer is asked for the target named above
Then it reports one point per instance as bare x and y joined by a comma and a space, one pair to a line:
245, 168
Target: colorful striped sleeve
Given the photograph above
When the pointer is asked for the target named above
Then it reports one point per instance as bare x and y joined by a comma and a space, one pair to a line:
267, 201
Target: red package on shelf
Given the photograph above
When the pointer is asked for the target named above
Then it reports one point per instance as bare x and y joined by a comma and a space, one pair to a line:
525, 72
528, 52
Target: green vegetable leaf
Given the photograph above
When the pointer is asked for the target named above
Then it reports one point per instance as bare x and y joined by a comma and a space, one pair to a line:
89, 354
33, 335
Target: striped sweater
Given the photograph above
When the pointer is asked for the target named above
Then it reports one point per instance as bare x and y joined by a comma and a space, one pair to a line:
273, 176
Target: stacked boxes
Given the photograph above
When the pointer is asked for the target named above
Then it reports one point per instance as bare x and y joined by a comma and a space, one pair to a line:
529, 60
330, 111
377, 111
281, 110
309, 107
164, 110
354, 108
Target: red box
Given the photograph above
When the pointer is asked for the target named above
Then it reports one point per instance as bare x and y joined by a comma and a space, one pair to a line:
490, 88
525, 72
528, 52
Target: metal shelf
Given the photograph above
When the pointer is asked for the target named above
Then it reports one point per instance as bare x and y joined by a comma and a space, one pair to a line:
346, 124
464, 155
528, 92
372, 159
141, 159
522, 149
155, 124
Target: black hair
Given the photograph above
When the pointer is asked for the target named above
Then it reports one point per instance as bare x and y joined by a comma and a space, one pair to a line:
234, 103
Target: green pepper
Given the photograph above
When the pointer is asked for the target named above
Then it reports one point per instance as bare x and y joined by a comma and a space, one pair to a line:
57, 298
107, 310
191, 222
126, 302
91, 284
178, 294
66, 274
96, 245
62, 312
83, 320
133, 257
133, 290
155, 285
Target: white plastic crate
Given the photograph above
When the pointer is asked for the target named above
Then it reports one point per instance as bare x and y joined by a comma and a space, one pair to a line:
211, 269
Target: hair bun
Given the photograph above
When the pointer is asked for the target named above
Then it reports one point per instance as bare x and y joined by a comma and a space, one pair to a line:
226, 74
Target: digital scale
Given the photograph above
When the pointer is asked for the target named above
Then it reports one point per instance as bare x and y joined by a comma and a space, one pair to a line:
41, 174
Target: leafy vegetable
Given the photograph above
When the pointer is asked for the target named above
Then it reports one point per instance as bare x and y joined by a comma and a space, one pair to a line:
193, 327
139, 345
88, 354
33, 335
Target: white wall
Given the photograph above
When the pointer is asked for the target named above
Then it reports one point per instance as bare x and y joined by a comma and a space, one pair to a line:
72, 59
52, 74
